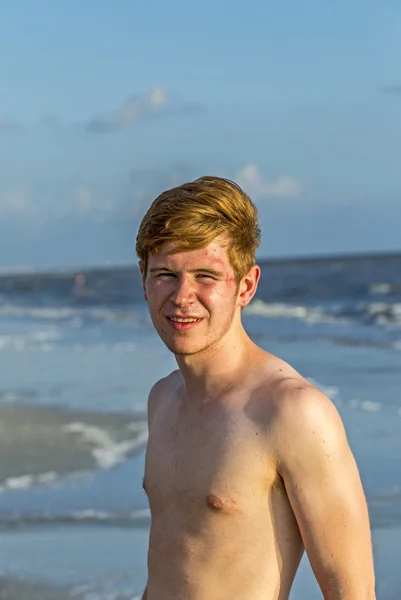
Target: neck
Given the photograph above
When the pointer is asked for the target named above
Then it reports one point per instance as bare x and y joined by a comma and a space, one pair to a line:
211, 372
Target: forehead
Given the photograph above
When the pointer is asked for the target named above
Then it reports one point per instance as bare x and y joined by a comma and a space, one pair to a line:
214, 254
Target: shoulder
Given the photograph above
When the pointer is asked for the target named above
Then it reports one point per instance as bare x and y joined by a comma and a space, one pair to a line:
290, 398
307, 424
161, 389
296, 398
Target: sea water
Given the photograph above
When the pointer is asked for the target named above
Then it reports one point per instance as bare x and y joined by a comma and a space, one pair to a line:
79, 356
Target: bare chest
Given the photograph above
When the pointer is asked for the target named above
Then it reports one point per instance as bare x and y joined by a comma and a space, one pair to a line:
210, 461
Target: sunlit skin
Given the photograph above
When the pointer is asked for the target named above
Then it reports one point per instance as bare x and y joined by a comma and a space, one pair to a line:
200, 283
247, 463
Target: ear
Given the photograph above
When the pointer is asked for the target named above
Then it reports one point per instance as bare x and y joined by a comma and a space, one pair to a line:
248, 286
143, 275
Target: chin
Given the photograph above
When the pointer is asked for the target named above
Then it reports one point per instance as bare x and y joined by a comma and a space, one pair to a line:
187, 349
182, 350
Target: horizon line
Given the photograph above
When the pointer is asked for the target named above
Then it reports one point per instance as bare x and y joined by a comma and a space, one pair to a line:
24, 270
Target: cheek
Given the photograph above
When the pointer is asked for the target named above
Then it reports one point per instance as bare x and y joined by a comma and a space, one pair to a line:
155, 291
222, 296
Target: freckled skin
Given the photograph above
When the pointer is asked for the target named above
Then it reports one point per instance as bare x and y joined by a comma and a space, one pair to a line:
191, 294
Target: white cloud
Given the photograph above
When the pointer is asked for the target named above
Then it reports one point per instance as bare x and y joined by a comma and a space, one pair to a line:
35, 207
253, 183
91, 202
134, 110
147, 184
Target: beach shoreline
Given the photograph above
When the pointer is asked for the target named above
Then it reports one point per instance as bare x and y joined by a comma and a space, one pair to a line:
386, 542
16, 589
38, 444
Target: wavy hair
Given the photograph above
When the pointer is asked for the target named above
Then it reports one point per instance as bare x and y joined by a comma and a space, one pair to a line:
195, 213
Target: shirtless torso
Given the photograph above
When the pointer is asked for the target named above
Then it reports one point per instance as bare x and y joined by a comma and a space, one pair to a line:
247, 463
222, 524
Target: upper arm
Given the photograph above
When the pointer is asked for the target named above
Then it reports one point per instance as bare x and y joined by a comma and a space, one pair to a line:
325, 491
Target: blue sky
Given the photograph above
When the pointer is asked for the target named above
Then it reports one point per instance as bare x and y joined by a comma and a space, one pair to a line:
105, 104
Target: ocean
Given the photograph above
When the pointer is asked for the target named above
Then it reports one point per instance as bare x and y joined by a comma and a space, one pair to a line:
78, 357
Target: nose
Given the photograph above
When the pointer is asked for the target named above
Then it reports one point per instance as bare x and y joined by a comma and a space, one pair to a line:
183, 292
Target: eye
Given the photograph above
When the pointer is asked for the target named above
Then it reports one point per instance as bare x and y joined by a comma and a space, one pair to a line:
159, 275
204, 276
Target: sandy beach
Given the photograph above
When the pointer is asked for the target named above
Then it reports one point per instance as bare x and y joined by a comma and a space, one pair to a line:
22, 590
38, 444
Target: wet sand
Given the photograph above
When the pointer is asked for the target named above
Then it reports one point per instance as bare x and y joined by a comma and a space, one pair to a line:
85, 562
22, 590
44, 442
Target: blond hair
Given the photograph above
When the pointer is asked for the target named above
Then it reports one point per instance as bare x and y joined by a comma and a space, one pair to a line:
195, 213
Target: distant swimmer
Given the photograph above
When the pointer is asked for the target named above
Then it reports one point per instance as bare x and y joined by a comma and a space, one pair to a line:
81, 288
79, 280
247, 463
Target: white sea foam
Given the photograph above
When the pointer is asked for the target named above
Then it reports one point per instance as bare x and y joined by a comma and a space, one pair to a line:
381, 313
311, 315
19, 483
106, 451
385, 313
140, 513
75, 316
333, 393
19, 341
276, 309
91, 513
50, 314
49, 335
380, 289
25, 482
137, 426
47, 477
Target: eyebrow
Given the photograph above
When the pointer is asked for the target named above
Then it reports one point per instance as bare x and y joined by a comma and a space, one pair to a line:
200, 270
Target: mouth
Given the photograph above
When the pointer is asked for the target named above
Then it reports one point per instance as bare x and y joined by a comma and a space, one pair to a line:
184, 319
184, 323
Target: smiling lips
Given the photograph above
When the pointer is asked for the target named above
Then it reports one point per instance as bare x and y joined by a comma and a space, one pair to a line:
183, 323
184, 319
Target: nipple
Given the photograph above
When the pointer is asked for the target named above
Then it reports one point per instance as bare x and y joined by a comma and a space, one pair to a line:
221, 505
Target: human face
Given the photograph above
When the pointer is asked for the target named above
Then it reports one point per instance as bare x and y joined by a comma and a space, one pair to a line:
198, 286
